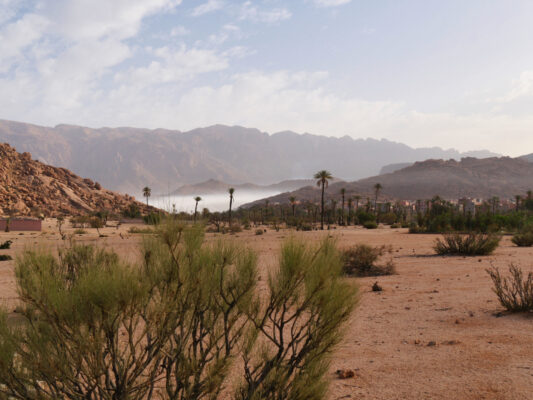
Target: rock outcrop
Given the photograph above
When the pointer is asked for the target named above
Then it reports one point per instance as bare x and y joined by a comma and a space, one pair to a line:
29, 187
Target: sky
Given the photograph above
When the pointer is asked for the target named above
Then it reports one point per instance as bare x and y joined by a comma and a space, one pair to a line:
448, 73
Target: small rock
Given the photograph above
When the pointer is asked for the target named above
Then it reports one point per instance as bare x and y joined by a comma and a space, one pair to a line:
432, 343
345, 373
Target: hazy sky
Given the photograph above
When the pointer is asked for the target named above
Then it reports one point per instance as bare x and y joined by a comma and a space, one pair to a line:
450, 73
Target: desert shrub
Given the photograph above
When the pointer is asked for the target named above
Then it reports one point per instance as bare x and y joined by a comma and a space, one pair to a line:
370, 225
142, 231
388, 218
152, 218
81, 221
235, 228
363, 216
473, 244
415, 228
304, 227
360, 260
6, 245
396, 226
5, 257
169, 327
80, 231
514, 292
524, 239
259, 231
132, 211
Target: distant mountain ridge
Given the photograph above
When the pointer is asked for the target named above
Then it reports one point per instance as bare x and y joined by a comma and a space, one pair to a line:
503, 177
127, 159
213, 186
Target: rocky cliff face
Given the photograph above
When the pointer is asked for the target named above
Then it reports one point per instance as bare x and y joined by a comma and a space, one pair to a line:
30, 187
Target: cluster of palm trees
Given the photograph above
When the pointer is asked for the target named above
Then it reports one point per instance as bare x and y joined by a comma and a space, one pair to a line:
323, 177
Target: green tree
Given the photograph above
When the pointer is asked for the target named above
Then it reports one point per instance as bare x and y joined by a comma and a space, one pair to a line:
197, 199
343, 193
518, 198
323, 178
377, 189
357, 199
230, 191
292, 201
147, 192
350, 206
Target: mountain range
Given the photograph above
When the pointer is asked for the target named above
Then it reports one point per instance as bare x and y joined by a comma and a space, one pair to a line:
503, 177
213, 186
127, 159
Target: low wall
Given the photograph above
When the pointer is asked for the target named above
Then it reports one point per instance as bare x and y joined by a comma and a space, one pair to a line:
15, 224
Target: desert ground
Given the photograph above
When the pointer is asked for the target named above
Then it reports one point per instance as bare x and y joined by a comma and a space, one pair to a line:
436, 331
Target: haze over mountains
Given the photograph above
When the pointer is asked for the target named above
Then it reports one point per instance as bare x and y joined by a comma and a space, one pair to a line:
127, 159
503, 177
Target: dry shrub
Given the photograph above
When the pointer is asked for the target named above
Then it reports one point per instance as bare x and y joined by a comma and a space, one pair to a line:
473, 244
259, 231
235, 228
514, 292
360, 260
6, 245
5, 257
370, 225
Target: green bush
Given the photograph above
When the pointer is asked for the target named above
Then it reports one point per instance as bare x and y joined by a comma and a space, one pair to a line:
415, 228
515, 292
388, 218
473, 244
95, 327
523, 239
152, 219
360, 260
370, 225
132, 211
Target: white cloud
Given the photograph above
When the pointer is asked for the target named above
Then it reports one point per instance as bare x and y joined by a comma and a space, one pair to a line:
90, 19
252, 13
171, 66
179, 31
331, 3
17, 36
207, 7
521, 87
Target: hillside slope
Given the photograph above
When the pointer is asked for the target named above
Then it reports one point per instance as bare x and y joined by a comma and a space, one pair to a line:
31, 187
127, 159
471, 177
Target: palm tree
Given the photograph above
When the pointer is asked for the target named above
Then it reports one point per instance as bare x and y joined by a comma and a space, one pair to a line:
334, 209
343, 193
230, 191
518, 198
292, 200
196, 199
495, 202
529, 194
377, 188
357, 198
147, 192
350, 204
322, 181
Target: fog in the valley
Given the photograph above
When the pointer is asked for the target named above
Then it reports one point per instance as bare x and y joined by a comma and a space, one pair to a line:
214, 202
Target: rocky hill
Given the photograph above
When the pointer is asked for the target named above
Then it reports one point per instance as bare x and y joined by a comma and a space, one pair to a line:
29, 187
471, 177
127, 159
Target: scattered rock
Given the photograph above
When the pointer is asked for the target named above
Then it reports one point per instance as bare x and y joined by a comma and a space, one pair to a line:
345, 373
376, 287
431, 343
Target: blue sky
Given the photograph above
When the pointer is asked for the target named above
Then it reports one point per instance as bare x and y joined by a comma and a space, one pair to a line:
448, 73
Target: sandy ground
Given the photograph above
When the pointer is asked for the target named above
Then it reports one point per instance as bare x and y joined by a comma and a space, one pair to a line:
479, 351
